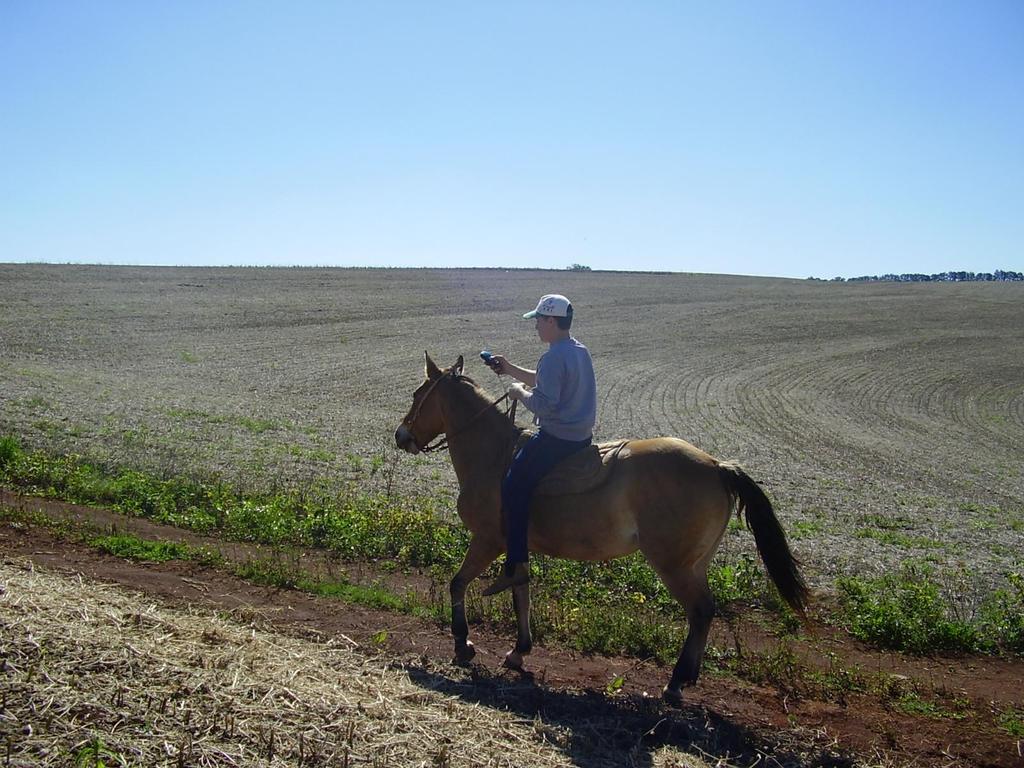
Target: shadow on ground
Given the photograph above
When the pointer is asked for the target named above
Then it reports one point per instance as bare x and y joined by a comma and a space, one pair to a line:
596, 730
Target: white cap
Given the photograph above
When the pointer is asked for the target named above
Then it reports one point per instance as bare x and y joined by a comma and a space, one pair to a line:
550, 305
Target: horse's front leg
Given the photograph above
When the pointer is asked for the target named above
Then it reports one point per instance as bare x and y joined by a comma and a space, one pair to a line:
524, 641
481, 554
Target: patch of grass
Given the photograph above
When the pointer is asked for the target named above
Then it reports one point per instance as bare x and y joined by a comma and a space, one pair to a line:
95, 754
741, 581
778, 667
38, 403
1002, 615
607, 626
185, 414
277, 573
21, 518
136, 437
915, 500
802, 529
131, 547
904, 612
886, 523
46, 426
373, 596
10, 450
897, 539
312, 454
1011, 720
271, 573
838, 681
833, 483
628, 579
989, 510
912, 704
904, 694
256, 426
36, 373
783, 669
125, 545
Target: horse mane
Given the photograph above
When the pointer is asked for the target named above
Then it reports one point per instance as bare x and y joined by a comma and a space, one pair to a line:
474, 398
474, 395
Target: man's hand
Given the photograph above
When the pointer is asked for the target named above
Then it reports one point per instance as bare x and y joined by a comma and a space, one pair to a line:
499, 365
517, 391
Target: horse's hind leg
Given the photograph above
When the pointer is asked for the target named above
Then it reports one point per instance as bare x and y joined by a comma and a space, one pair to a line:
690, 588
478, 557
524, 640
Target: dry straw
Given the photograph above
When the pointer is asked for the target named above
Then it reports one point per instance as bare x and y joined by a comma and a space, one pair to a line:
97, 675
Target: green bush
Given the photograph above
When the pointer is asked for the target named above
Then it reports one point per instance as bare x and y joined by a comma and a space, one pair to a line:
905, 612
608, 625
134, 548
742, 580
10, 451
1002, 616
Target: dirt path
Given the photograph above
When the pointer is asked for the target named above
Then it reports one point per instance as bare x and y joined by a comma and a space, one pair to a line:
724, 717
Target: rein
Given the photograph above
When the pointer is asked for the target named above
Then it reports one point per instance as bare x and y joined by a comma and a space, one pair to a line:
442, 443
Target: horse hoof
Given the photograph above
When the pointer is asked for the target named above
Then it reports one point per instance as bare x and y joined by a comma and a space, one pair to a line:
672, 697
464, 654
514, 660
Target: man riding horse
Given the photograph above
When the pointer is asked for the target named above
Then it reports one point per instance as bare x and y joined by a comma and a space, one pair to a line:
563, 400
662, 496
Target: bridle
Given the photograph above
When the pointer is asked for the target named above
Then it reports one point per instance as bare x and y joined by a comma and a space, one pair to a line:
442, 443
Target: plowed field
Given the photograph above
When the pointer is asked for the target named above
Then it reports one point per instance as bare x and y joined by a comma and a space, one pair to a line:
886, 421
853, 404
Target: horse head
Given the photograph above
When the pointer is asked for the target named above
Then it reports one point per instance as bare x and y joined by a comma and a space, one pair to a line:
425, 421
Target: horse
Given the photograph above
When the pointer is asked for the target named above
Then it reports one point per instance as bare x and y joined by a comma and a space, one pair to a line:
664, 496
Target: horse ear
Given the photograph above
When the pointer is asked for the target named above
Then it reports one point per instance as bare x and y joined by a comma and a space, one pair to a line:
458, 366
430, 370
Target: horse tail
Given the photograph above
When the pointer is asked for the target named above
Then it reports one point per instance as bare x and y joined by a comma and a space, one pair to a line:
749, 498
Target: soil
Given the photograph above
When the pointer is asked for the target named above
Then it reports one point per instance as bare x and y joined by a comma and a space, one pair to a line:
853, 729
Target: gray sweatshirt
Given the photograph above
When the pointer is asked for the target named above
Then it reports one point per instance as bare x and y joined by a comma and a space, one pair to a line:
564, 401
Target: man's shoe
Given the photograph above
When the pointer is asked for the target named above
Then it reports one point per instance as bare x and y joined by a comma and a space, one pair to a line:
520, 576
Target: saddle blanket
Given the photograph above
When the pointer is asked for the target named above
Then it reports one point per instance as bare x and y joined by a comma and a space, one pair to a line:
582, 471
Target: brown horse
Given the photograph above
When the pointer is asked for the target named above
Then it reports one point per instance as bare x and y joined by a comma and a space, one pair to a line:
664, 497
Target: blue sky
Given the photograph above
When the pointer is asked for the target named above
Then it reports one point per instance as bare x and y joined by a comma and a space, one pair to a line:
767, 138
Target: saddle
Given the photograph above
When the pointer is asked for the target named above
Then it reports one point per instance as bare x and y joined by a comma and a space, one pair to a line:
581, 472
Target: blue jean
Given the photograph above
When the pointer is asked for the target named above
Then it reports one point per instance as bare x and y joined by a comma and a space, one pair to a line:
530, 464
